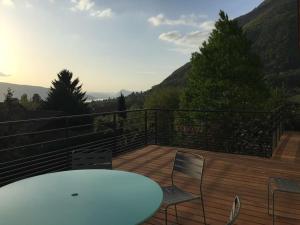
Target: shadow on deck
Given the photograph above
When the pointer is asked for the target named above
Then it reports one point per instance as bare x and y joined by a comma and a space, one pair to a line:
225, 176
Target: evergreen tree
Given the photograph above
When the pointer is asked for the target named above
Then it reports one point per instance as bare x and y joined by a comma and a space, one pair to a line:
225, 74
66, 95
122, 106
9, 97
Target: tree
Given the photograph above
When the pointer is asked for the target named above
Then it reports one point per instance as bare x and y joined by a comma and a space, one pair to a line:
24, 100
122, 106
36, 99
66, 95
225, 74
163, 98
9, 97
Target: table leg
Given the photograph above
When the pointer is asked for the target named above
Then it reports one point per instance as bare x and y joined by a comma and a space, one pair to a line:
273, 196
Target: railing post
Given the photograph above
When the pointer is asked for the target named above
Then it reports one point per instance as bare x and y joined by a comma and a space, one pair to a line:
155, 126
146, 126
67, 127
115, 131
274, 131
206, 128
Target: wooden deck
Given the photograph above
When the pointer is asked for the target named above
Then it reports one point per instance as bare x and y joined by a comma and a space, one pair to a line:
225, 176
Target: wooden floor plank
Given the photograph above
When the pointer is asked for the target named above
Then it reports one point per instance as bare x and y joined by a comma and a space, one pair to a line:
225, 176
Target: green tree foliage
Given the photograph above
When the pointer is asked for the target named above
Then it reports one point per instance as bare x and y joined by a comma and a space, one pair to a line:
24, 100
135, 100
11, 109
225, 74
66, 95
122, 105
9, 97
36, 101
163, 98
36, 98
33, 104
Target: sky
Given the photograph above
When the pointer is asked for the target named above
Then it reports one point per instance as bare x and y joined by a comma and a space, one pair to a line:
109, 44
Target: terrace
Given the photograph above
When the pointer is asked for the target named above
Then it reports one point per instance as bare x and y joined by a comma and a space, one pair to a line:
225, 176
239, 161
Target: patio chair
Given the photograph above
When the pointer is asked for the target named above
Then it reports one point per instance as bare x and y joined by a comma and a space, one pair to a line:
234, 211
281, 185
190, 165
91, 159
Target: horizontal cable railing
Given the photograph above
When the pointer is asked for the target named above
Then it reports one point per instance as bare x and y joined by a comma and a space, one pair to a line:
37, 146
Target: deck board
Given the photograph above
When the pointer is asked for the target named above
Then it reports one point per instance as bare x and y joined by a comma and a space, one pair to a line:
225, 176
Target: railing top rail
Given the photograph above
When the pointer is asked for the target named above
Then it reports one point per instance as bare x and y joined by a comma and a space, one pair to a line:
68, 117
137, 110
212, 111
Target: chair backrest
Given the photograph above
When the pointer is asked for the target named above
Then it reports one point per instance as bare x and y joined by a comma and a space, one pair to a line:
91, 159
189, 164
234, 211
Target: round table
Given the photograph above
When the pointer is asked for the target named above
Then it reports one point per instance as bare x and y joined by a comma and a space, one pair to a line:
80, 197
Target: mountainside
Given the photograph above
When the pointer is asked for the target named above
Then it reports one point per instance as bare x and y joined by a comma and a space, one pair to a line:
272, 27
19, 90
177, 79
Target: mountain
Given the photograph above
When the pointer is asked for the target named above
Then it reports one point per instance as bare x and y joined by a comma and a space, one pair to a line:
272, 27
19, 90
177, 79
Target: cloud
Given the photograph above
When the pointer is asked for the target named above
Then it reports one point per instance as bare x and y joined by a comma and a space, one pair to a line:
185, 20
106, 13
192, 39
28, 5
9, 3
82, 5
172, 36
4, 74
89, 6
185, 43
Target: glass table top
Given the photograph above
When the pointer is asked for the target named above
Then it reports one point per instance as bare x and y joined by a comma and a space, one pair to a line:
80, 197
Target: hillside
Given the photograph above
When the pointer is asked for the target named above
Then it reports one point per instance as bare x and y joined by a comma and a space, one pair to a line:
177, 79
19, 90
272, 27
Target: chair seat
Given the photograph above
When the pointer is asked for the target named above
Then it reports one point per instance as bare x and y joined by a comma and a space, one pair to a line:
174, 195
285, 185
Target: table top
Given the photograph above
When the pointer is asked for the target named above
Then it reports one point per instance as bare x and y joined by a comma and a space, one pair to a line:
80, 197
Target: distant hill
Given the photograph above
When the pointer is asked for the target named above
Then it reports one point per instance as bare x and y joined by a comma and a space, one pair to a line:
272, 27
19, 90
94, 96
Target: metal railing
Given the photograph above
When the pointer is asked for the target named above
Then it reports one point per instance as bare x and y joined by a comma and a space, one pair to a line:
37, 146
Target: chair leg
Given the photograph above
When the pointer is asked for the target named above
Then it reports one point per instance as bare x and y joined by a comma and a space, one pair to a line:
203, 209
176, 214
269, 198
166, 216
